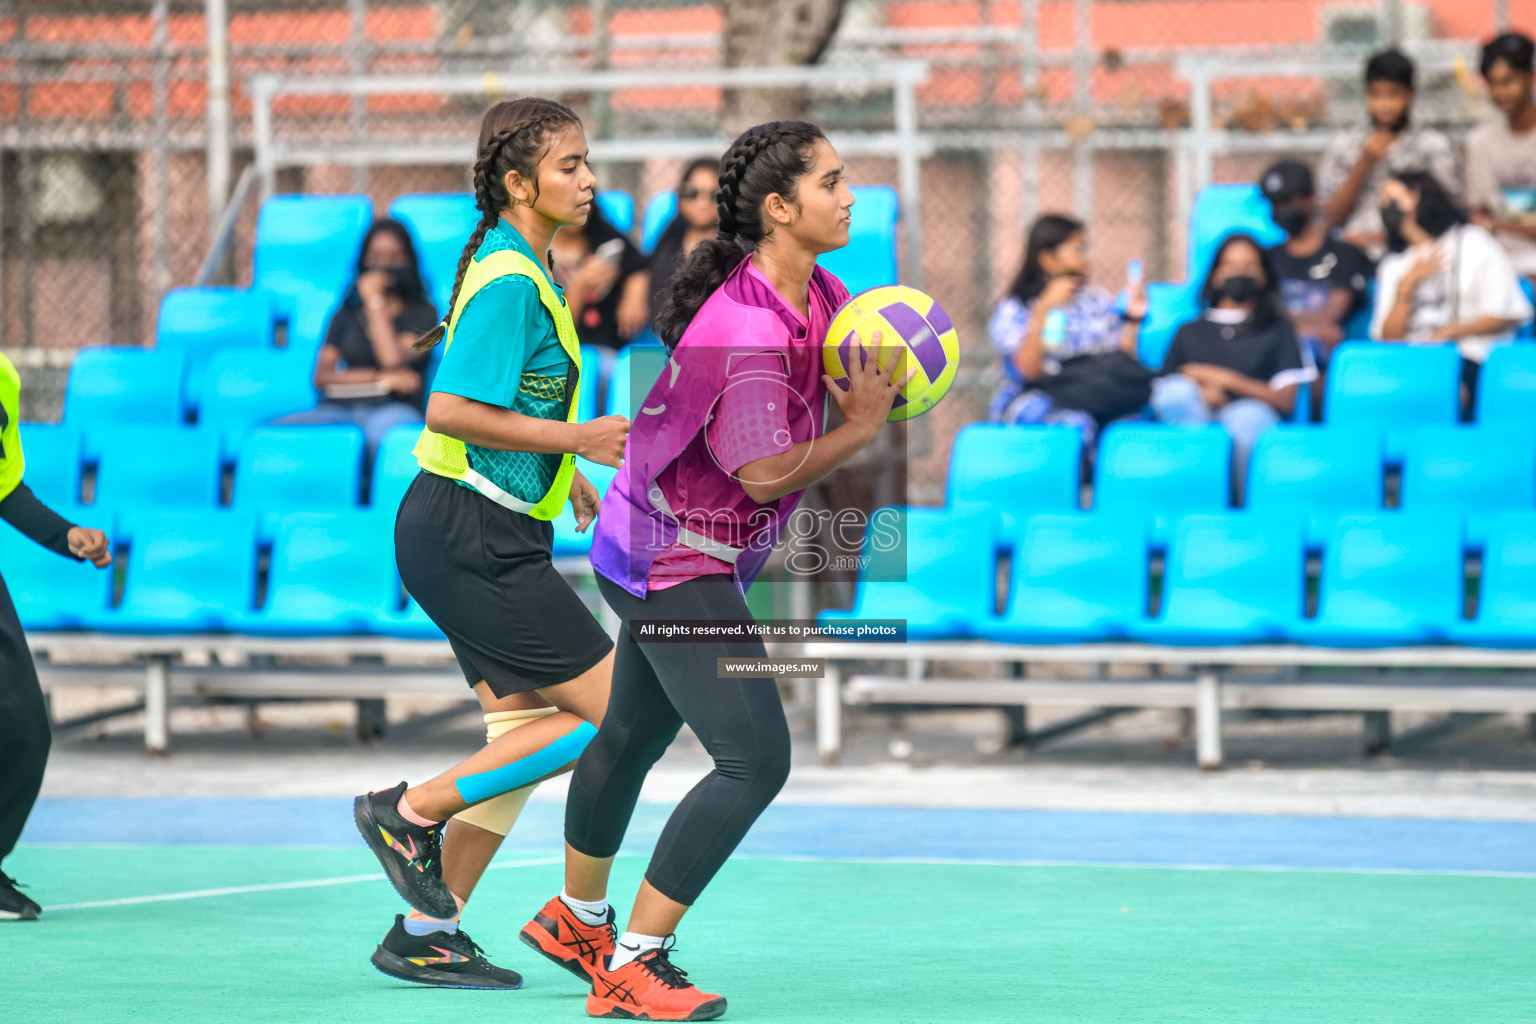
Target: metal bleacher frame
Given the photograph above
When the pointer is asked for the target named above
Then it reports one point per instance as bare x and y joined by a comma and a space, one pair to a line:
1456, 680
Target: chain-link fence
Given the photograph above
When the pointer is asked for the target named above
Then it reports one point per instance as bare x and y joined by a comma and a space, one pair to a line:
121, 149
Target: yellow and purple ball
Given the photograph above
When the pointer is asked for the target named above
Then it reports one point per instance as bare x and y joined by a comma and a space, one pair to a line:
913, 328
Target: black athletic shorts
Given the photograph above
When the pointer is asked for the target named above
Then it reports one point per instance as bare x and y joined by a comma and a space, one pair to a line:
483, 573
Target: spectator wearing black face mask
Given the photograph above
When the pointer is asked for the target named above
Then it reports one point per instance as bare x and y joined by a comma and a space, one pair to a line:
367, 372
1240, 363
1322, 281
1444, 279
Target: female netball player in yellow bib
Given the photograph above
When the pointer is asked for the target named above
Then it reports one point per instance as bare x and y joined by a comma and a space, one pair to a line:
472, 540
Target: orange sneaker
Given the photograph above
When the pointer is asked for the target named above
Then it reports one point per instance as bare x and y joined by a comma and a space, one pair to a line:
560, 935
649, 987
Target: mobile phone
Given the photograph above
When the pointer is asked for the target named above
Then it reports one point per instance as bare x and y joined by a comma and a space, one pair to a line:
1133, 273
610, 250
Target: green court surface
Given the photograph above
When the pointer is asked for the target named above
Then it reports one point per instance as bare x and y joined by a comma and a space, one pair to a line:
787, 940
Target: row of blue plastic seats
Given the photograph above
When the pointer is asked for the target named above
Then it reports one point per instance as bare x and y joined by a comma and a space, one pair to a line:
1322, 473
142, 469
1387, 579
169, 467
307, 245
239, 388
194, 572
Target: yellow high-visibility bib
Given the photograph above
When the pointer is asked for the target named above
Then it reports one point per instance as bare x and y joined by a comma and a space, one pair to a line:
445, 456
11, 463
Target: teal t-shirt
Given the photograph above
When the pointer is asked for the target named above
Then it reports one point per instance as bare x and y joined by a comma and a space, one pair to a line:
504, 333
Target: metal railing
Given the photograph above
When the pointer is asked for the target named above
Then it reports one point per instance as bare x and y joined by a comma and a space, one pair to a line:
904, 143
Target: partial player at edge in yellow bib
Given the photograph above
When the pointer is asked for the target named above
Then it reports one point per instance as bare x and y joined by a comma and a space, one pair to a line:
24, 729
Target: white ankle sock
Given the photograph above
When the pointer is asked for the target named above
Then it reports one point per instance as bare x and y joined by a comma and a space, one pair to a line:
631, 945
588, 913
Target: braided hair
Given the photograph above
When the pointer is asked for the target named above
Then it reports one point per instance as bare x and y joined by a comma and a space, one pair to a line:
514, 136
770, 158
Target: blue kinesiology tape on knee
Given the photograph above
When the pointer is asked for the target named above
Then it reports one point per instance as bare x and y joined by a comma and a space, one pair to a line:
536, 765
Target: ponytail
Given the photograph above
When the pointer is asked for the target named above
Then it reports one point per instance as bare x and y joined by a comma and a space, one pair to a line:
513, 137
770, 158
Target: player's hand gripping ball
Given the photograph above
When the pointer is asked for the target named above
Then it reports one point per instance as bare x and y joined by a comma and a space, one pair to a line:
913, 329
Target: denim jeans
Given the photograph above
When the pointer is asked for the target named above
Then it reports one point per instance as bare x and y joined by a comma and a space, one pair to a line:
1176, 399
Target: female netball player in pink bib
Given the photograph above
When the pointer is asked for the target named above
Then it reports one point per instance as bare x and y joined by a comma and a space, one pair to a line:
718, 456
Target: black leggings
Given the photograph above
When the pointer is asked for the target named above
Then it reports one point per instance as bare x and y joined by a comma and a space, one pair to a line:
24, 731
656, 688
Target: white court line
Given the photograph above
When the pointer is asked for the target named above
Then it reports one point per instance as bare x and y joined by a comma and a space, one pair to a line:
235, 890
940, 861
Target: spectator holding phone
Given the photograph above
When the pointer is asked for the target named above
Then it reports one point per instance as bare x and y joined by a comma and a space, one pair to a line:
1357, 162
1068, 356
1322, 281
1501, 154
367, 373
1444, 279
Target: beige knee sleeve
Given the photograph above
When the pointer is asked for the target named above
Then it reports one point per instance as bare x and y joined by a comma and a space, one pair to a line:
499, 813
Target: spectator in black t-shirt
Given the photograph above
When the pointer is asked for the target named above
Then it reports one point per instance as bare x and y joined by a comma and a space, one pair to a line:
698, 196
367, 372
1322, 281
1240, 363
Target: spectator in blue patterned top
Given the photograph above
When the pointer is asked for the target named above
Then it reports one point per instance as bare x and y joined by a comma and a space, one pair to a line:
1067, 353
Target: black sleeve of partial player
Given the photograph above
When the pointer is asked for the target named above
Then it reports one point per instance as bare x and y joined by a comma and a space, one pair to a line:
22, 510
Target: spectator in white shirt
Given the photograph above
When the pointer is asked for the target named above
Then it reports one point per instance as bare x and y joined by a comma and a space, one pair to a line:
1501, 155
1443, 279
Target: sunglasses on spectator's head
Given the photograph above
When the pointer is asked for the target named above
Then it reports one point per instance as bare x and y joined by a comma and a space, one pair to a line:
689, 192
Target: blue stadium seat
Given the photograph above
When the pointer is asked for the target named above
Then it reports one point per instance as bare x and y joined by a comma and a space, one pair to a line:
1388, 578
146, 468
196, 322
123, 385
1163, 469
619, 208
440, 224
331, 573
659, 211
567, 541
52, 454
187, 572
247, 389
307, 245
1506, 605
1506, 386
1169, 307
586, 395
1231, 578
1527, 330
394, 467
1074, 576
300, 467
1398, 388
869, 258
1016, 470
622, 383
1222, 210
51, 591
1474, 472
1319, 473
940, 576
